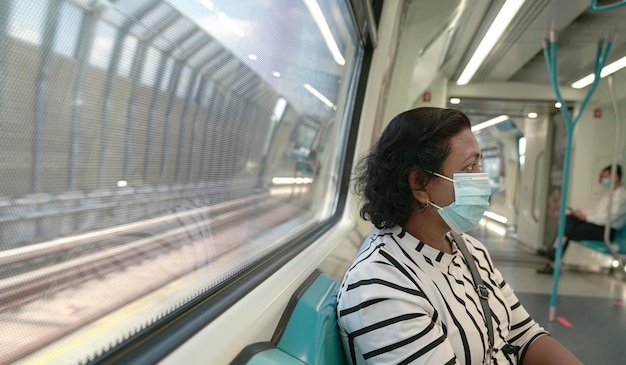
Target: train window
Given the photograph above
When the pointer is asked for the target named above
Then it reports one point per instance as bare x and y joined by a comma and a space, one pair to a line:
163, 148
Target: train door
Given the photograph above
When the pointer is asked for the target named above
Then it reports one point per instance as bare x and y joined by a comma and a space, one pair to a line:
535, 176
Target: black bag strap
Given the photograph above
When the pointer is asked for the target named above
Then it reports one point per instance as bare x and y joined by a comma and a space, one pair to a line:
481, 289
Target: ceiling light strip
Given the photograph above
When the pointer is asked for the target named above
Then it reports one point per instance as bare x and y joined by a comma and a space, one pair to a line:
319, 95
500, 23
490, 122
606, 71
318, 16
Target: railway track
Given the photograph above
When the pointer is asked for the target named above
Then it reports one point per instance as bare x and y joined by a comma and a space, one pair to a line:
98, 257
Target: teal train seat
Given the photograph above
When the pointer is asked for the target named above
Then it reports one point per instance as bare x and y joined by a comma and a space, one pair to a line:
619, 243
307, 332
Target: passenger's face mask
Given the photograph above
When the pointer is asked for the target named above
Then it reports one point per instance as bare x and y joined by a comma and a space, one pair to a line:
605, 182
471, 200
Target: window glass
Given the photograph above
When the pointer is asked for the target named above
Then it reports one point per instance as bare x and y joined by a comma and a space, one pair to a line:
119, 203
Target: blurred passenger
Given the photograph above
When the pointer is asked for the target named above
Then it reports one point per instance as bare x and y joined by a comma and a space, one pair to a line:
410, 296
589, 224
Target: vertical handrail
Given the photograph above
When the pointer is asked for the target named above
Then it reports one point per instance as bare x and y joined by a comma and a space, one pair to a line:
533, 215
550, 54
617, 136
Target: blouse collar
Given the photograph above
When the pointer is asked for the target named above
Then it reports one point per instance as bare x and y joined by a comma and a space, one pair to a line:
416, 248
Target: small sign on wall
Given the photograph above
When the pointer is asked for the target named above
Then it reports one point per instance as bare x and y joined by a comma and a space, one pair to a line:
597, 113
426, 96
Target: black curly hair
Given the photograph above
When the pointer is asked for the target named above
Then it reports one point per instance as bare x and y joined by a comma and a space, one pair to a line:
415, 140
618, 171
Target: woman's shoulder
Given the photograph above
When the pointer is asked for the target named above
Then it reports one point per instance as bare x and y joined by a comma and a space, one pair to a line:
380, 257
473, 242
477, 248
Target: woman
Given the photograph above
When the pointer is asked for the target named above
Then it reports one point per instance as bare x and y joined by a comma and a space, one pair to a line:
410, 296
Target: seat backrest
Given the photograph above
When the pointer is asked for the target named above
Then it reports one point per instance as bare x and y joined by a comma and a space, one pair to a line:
307, 333
311, 334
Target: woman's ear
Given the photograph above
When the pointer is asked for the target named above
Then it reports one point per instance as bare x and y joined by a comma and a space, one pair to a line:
418, 191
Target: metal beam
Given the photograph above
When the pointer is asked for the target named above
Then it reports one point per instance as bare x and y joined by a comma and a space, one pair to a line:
172, 86
191, 87
155, 97
85, 43
135, 76
195, 49
118, 45
209, 129
41, 95
203, 91
113, 66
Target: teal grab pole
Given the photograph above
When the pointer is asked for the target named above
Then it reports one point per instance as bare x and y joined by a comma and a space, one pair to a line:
550, 53
597, 9
600, 62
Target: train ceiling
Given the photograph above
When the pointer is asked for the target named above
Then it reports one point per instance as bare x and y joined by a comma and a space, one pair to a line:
517, 56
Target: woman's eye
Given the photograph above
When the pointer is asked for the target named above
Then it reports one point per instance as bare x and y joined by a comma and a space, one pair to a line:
473, 166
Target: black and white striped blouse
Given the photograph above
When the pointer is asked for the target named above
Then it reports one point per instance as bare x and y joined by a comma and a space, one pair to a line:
404, 302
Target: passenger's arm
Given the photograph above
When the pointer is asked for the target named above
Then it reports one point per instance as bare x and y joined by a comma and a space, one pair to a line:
545, 350
579, 214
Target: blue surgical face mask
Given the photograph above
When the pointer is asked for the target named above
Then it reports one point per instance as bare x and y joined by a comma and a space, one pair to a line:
471, 200
605, 182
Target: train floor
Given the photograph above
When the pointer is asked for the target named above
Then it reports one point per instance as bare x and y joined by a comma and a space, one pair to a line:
590, 314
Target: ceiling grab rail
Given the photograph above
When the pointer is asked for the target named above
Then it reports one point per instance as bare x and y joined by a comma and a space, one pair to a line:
597, 9
550, 54
618, 133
